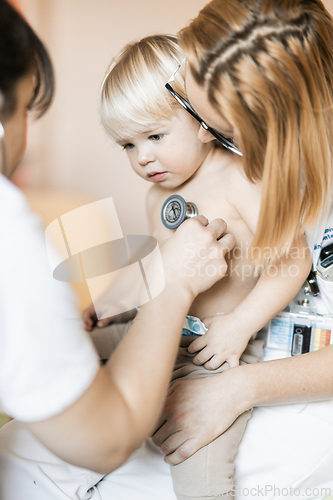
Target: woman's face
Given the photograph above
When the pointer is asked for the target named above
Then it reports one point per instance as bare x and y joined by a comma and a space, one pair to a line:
15, 126
199, 101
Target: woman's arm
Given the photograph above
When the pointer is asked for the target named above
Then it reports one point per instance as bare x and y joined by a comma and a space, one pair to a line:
121, 407
197, 411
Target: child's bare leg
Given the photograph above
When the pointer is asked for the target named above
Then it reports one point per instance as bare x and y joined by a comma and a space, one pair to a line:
106, 339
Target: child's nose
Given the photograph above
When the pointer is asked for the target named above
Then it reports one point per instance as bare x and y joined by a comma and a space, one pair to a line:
145, 156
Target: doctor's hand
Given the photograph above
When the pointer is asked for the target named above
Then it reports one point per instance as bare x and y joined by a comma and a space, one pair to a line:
197, 411
194, 256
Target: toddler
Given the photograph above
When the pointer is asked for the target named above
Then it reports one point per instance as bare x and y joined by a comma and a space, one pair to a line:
167, 147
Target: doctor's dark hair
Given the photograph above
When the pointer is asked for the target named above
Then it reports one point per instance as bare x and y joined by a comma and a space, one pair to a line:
266, 67
21, 52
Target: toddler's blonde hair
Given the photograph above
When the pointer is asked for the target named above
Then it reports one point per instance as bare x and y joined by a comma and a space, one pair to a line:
133, 97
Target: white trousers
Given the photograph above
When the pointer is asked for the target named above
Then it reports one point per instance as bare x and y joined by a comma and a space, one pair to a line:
286, 453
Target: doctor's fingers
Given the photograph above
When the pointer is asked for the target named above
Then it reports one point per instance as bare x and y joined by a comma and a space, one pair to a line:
217, 227
202, 219
227, 243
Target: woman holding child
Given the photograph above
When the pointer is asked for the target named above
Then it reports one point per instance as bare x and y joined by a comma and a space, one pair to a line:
266, 68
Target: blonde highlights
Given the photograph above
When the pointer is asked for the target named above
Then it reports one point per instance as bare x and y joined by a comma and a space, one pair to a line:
133, 97
267, 68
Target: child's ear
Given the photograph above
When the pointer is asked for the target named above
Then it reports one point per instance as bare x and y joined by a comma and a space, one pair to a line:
205, 136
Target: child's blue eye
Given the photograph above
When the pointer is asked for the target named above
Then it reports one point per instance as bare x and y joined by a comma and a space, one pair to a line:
129, 145
156, 137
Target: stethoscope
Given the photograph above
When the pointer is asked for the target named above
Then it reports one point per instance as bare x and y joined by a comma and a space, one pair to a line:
175, 210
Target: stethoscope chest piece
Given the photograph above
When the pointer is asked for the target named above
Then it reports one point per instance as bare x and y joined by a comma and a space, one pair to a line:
175, 210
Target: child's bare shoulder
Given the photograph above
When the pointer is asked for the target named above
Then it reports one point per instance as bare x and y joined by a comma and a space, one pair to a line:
230, 171
154, 196
230, 183
154, 200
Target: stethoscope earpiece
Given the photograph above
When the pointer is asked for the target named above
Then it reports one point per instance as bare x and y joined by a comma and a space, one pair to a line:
175, 210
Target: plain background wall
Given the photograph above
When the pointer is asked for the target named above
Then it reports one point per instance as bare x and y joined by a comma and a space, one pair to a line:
68, 149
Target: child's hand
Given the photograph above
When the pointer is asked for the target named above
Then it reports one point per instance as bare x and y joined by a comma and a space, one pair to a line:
226, 340
90, 319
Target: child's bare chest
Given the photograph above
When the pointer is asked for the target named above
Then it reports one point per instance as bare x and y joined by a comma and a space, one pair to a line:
212, 200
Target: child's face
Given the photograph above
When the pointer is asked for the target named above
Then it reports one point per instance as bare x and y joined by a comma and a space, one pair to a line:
170, 153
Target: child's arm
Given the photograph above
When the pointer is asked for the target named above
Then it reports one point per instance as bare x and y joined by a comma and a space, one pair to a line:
89, 316
229, 334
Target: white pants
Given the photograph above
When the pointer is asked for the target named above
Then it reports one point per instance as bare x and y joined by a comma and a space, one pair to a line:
286, 452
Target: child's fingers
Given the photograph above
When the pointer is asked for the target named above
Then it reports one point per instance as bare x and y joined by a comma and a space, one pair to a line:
103, 322
87, 328
214, 363
207, 321
197, 345
202, 357
86, 316
89, 316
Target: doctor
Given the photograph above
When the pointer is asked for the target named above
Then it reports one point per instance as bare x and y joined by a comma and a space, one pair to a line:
91, 416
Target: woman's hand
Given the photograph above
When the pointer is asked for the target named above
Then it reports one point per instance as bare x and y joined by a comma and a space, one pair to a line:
194, 257
197, 411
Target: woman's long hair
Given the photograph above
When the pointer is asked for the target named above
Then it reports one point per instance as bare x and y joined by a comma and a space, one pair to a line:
266, 66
